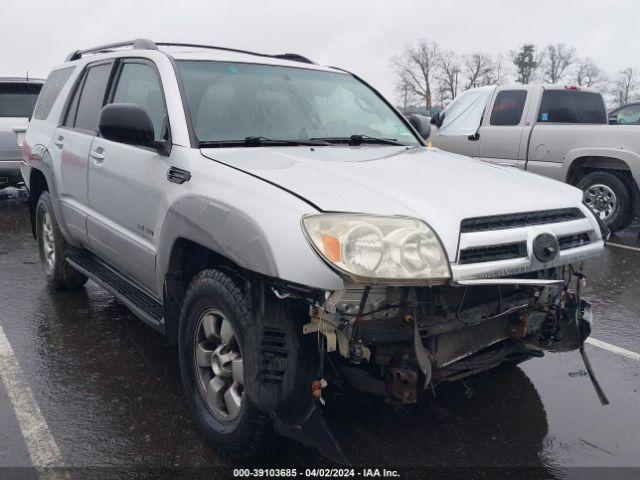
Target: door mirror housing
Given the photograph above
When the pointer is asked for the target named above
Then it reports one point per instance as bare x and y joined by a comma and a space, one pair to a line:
128, 123
613, 119
437, 119
421, 125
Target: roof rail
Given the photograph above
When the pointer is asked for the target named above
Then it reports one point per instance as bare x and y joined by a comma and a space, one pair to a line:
294, 57
145, 44
137, 44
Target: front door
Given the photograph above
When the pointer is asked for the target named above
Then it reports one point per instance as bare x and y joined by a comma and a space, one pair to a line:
502, 132
126, 183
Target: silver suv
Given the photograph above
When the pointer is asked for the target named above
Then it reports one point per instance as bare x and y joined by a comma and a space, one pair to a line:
17, 99
284, 226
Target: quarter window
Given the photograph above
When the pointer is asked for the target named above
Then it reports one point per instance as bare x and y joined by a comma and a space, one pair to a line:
139, 84
50, 92
508, 107
92, 98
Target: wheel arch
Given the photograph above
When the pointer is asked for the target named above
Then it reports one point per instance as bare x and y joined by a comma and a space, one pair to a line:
622, 163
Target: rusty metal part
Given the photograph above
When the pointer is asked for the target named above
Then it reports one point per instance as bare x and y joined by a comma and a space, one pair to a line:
401, 384
518, 326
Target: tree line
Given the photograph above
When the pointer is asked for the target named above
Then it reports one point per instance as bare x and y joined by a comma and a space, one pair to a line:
429, 76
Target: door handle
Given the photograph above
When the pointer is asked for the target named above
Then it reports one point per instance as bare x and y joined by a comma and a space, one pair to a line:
97, 156
59, 142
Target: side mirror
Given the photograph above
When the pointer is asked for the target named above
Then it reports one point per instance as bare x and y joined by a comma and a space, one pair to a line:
437, 119
421, 124
127, 123
613, 119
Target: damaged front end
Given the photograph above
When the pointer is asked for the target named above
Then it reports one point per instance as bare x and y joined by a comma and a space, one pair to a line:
394, 341
407, 319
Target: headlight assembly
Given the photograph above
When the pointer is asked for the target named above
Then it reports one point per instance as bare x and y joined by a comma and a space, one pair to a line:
377, 249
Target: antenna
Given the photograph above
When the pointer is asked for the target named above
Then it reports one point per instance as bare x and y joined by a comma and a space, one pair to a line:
27, 75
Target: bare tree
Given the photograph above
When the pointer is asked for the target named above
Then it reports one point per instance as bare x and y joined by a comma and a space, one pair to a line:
588, 74
556, 61
627, 83
416, 67
405, 93
448, 72
477, 67
526, 62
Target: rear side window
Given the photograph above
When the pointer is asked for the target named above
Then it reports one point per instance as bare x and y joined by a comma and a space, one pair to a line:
50, 92
86, 104
508, 107
18, 99
571, 106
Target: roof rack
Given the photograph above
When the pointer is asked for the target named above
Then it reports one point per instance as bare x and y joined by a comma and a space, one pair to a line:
145, 44
137, 44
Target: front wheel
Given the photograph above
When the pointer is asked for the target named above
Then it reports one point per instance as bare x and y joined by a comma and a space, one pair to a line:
53, 248
609, 199
213, 325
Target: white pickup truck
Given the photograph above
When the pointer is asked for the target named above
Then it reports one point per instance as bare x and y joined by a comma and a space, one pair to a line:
555, 131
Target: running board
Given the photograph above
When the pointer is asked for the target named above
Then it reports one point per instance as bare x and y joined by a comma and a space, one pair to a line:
143, 305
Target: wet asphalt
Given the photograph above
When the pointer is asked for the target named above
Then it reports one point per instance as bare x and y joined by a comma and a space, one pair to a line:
109, 390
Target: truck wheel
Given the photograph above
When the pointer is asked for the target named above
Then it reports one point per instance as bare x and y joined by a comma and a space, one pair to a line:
53, 248
213, 325
608, 197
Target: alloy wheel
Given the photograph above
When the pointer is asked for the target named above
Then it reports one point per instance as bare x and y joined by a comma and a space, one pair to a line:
601, 199
219, 365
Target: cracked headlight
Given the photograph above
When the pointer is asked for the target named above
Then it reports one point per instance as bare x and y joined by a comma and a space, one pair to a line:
376, 249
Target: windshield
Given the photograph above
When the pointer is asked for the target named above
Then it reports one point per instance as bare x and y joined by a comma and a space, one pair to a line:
18, 99
236, 101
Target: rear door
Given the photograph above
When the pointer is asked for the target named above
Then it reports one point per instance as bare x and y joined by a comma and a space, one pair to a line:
502, 132
72, 141
126, 183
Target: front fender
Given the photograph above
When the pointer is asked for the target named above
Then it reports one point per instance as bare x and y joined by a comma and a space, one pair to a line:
255, 244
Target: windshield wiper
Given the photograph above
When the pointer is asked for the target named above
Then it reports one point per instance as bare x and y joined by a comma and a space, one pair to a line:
358, 139
262, 142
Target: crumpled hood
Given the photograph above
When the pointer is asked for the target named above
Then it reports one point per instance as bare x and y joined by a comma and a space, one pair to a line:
439, 187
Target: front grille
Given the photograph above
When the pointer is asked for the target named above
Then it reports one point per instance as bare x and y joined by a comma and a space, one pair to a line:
515, 220
573, 241
493, 253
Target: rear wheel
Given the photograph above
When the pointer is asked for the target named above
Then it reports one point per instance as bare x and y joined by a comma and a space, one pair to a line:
213, 325
608, 197
53, 248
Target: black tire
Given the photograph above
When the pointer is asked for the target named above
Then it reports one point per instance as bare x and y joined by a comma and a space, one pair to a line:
60, 275
243, 436
621, 216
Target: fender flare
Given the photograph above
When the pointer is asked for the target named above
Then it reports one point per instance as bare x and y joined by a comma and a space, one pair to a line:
632, 159
222, 229
40, 160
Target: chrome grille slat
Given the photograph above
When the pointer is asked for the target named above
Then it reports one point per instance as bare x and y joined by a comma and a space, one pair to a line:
515, 220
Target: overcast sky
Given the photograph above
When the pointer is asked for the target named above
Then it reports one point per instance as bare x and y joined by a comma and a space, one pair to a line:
360, 35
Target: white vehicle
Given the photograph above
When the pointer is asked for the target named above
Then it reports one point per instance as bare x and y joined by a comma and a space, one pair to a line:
555, 131
272, 216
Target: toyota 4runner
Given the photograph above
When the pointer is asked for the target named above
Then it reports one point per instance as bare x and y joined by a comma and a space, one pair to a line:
273, 217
